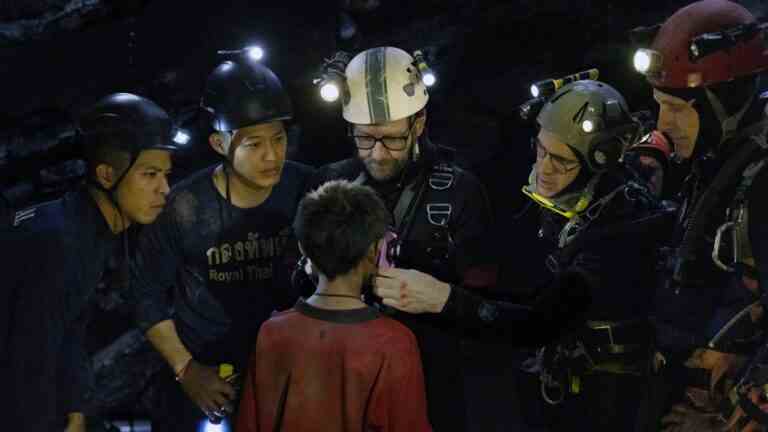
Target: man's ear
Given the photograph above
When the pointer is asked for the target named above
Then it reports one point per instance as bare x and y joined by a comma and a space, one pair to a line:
105, 175
220, 142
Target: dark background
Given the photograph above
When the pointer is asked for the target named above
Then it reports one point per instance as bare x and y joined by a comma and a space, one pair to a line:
58, 56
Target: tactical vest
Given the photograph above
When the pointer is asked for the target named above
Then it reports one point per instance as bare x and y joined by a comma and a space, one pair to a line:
424, 220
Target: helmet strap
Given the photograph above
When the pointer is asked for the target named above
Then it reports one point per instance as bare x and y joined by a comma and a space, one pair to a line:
229, 164
111, 193
728, 123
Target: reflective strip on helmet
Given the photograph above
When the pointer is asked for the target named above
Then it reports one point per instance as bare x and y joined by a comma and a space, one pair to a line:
376, 85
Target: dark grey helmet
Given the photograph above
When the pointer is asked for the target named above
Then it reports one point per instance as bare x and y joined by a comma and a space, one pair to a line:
593, 119
127, 122
240, 94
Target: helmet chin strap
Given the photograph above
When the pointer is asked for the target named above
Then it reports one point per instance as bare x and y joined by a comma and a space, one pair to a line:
229, 162
729, 124
111, 193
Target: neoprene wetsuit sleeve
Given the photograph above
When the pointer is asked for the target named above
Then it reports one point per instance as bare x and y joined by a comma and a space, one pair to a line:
476, 259
561, 305
153, 270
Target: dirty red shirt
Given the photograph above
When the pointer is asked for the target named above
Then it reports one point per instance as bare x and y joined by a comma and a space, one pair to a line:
329, 370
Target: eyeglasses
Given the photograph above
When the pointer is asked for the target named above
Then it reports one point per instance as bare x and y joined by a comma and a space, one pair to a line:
560, 164
367, 142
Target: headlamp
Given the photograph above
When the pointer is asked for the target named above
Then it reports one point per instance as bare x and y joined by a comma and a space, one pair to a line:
253, 53
181, 137
332, 80
647, 62
427, 75
709, 43
542, 90
329, 91
548, 87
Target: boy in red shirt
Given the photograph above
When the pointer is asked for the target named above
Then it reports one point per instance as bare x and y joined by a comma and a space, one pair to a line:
332, 363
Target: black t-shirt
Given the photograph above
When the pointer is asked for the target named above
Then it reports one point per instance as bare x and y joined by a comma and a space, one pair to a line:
229, 266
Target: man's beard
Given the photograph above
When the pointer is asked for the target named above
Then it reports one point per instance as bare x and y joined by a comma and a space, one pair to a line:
390, 170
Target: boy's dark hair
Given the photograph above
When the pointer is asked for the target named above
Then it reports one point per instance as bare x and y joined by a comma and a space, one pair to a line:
337, 224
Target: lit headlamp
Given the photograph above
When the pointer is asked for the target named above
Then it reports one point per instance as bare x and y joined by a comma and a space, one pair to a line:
181, 137
252, 52
548, 87
648, 62
333, 81
542, 90
427, 75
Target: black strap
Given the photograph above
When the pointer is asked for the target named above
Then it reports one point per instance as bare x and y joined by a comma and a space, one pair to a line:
437, 191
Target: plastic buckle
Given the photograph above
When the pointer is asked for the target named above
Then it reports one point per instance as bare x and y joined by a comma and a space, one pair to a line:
439, 214
441, 180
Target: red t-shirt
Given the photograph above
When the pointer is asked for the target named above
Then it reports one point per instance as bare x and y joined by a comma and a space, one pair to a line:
324, 370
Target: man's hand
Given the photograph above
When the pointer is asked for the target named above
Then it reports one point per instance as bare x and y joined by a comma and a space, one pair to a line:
411, 290
75, 422
206, 389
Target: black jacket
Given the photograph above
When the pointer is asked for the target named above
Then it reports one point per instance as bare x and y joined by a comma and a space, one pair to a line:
606, 273
56, 254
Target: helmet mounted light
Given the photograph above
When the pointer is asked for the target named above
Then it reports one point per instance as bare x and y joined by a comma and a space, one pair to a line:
428, 76
181, 137
709, 43
548, 87
648, 62
541, 91
705, 43
332, 81
254, 53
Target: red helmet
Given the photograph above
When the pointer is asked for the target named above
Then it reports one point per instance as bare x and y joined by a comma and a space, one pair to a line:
671, 60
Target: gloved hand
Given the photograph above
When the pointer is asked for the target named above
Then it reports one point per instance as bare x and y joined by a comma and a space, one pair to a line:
212, 394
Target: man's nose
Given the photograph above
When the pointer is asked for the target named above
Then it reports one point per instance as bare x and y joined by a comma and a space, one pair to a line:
379, 152
545, 165
270, 153
164, 187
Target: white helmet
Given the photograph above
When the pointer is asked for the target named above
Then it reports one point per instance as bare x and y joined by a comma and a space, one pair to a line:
384, 86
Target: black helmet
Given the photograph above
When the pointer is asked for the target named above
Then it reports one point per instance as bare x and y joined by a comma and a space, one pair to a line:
240, 94
127, 122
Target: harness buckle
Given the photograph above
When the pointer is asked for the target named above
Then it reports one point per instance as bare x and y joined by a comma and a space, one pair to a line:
439, 214
441, 180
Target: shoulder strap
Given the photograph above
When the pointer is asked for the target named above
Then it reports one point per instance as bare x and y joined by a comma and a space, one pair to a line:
437, 190
441, 196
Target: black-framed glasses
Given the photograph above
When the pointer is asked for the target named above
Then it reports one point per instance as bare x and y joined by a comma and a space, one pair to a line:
367, 142
561, 164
